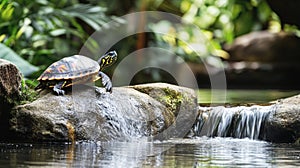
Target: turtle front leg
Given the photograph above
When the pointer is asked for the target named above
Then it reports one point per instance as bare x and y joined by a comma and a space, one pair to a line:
57, 88
106, 82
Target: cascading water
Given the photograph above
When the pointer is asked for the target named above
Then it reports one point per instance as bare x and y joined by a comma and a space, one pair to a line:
237, 122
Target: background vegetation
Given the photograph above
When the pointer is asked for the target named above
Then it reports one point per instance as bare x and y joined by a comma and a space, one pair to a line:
43, 31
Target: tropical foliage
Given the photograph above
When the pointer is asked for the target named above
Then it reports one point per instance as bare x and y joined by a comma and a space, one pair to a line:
43, 31
220, 21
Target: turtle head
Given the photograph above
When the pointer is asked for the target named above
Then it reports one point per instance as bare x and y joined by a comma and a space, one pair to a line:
107, 59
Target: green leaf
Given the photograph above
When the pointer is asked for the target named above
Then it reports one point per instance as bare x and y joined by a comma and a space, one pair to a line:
58, 32
8, 54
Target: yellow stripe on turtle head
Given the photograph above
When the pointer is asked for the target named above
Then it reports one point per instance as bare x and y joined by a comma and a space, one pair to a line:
107, 59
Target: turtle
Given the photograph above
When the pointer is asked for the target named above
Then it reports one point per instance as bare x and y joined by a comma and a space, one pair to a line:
76, 69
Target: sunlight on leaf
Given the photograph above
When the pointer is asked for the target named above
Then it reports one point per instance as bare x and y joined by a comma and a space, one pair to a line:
58, 32
7, 12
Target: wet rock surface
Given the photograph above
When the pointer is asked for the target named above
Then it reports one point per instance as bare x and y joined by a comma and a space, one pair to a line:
86, 114
283, 125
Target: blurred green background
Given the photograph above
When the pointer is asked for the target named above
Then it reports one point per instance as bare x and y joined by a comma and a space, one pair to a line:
35, 33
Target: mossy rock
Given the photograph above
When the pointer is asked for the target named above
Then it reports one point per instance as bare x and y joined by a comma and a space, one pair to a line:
10, 90
165, 111
13, 88
13, 92
181, 103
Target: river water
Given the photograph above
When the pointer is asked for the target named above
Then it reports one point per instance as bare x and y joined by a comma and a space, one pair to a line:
198, 151
194, 152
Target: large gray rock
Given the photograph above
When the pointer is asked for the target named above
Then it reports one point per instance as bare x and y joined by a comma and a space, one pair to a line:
283, 125
129, 112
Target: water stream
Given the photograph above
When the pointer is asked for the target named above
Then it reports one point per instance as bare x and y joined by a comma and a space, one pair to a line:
237, 122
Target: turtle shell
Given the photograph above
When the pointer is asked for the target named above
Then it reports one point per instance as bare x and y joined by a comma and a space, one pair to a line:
75, 67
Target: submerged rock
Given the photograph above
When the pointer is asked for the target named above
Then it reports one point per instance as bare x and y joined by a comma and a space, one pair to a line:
129, 112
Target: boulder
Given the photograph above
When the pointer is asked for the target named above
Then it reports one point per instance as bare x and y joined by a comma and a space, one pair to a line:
89, 113
181, 101
257, 56
283, 125
10, 89
264, 46
10, 82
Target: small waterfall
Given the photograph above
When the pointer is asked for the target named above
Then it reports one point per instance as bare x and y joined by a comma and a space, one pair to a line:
237, 122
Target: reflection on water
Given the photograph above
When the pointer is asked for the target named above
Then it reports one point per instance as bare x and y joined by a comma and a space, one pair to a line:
198, 152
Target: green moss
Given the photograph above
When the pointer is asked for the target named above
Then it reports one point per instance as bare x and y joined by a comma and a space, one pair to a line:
171, 98
28, 94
